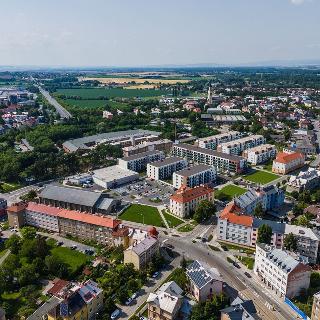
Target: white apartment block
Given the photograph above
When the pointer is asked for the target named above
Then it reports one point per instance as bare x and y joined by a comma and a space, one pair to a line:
236, 147
40, 220
260, 153
194, 176
138, 162
212, 142
307, 180
186, 200
286, 274
163, 169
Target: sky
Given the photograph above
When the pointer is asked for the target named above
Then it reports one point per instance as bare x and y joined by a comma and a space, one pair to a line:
157, 32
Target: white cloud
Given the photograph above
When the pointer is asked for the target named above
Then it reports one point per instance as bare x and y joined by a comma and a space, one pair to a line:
299, 2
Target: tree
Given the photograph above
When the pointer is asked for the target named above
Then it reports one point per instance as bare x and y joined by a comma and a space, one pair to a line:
290, 242
258, 211
183, 263
295, 194
204, 211
302, 221
28, 233
264, 234
30, 196
14, 244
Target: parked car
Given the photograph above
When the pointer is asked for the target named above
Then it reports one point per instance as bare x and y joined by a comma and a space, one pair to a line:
60, 243
236, 265
134, 295
248, 274
73, 247
128, 301
115, 314
155, 275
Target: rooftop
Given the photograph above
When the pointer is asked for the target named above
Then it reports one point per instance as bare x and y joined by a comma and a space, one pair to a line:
112, 173
242, 140
219, 136
232, 214
143, 245
285, 158
141, 155
185, 194
194, 170
166, 161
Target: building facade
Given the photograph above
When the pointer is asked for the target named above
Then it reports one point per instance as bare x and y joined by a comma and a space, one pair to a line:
138, 162
286, 275
221, 161
212, 142
186, 200
315, 314
194, 176
236, 147
287, 162
307, 180
164, 145
260, 153
161, 170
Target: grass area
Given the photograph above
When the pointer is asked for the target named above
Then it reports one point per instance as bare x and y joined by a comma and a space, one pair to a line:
261, 177
172, 220
11, 295
186, 228
268, 166
229, 191
3, 252
73, 258
247, 261
213, 248
94, 104
87, 93
143, 214
8, 187
237, 247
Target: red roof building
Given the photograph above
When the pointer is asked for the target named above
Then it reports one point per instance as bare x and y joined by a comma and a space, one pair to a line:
286, 162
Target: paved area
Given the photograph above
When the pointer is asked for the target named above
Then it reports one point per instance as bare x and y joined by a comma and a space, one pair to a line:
4, 257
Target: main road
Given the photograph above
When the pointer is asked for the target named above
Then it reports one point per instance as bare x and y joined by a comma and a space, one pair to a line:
64, 114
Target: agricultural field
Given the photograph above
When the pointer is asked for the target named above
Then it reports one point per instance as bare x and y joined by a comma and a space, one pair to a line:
94, 104
261, 177
143, 214
94, 93
229, 191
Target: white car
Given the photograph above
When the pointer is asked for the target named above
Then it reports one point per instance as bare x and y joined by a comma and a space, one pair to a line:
134, 295
115, 314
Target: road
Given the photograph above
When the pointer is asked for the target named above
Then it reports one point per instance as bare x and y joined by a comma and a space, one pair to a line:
64, 114
316, 125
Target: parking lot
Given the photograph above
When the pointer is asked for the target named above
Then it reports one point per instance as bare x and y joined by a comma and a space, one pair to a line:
144, 192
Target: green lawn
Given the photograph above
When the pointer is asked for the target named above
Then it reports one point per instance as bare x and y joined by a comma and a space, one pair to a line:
94, 104
111, 93
143, 214
186, 228
3, 252
73, 258
229, 191
237, 247
172, 220
247, 261
8, 187
261, 177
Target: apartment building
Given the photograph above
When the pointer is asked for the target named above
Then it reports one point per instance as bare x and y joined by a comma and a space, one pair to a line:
194, 176
287, 162
239, 310
203, 281
236, 147
212, 142
315, 314
307, 180
164, 145
138, 162
270, 197
186, 200
163, 169
66, 222
221, 161
119, 138
165, 304
284, 273
260, 153
141, 253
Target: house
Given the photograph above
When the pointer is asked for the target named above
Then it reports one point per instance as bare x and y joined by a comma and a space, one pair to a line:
204, 281
240, 310
186, 200
307, 180
286, 162
194, 176
166, 302
284, 273
141, 253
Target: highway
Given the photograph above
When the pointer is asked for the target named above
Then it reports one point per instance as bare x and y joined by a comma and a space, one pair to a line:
64, 114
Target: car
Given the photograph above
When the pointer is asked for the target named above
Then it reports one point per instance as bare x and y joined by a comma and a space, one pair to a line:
134, 295
236, 265
73, 247
248, 274
143, 318
115, 314
224, 248
170, 246
155, 275
128, 301
60, 243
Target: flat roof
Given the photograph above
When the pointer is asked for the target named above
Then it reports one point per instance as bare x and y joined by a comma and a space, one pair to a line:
81, 142
166, 161
112, 173
220, 135
242, 140
194, 170
141, 155
209, 152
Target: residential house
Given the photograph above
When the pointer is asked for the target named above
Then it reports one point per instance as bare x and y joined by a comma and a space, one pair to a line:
286, 162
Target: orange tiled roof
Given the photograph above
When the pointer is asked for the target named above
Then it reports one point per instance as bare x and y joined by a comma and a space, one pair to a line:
232, 213
185, 194
74, 215
283, 157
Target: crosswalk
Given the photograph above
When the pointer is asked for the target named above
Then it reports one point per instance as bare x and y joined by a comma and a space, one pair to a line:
268, 305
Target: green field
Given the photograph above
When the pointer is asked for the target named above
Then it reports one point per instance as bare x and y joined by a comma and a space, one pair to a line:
186, 228
247, 261
87, 93
143, 214
94, 104
261, 177
172, 220
8, 187
73, 258
229, 191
